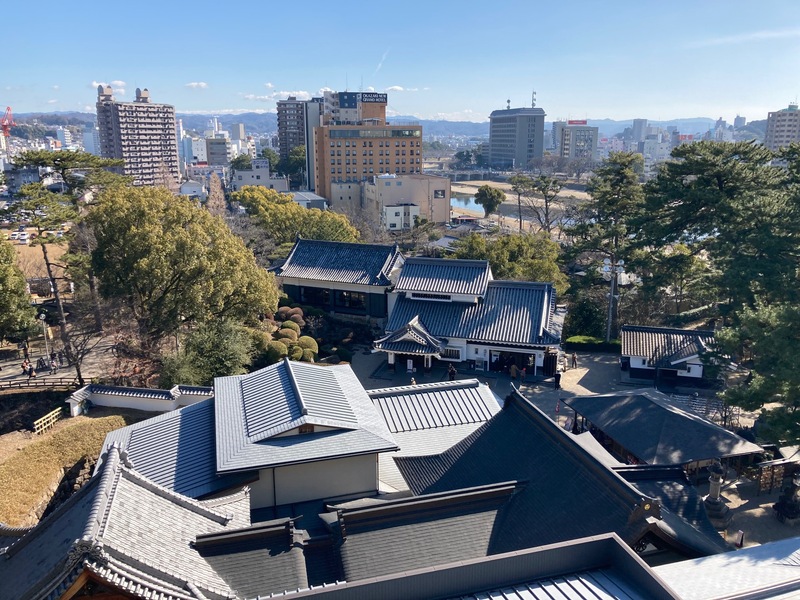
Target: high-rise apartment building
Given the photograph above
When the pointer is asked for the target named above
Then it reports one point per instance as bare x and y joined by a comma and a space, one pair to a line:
783, 128
516, 136
141, 133
291, 125
639, 130
578, 140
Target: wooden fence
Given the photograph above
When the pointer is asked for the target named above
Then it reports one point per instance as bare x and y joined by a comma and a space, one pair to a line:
40, 382
47, 421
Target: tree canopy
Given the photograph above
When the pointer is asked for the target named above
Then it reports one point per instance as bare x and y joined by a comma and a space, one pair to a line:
242, 162
171, 262
17, 317
525, 257
77, 169
490, 198
284, 219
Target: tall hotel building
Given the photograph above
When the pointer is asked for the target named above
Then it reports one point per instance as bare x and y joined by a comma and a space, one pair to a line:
141, 133
350, 150
783, 127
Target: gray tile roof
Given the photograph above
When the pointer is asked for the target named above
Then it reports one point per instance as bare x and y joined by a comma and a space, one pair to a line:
430, 418
444, 276
130, 532
512, 313
664, 346
414, 338
435, 405
177, 450
455, 526
252, 410
571, 494
657, 431
766, 571
341, 262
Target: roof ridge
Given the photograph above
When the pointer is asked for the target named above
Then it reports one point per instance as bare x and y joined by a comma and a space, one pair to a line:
298, 395
105, 493
445, 385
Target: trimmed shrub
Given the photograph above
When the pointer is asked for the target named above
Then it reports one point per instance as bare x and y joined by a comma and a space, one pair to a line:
286, 334
282, 313
276, 351
295, 353
592, 344
308, 355
308, 343
298, 320
291, 325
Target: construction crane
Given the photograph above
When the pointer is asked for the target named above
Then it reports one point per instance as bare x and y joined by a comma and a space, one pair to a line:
7, 122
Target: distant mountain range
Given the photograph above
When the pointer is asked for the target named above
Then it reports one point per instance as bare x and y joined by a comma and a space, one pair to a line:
266, 123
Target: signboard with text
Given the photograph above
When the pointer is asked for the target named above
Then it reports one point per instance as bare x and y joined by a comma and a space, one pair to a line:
373, 97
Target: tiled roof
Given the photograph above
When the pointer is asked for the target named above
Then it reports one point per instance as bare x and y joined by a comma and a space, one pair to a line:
570, 493
653, 429
435, 405
130, 532
251, 410
414, 338
429, 418
444, 276
341, 262
663, 346
512, 312
765, 571
177, 450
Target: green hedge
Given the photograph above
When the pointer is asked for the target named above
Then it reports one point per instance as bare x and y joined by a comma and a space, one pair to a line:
588, 343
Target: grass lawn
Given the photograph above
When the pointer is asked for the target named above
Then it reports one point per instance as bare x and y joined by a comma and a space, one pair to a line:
26, 474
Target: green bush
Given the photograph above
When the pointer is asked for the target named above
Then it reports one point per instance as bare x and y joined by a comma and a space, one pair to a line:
282, 313
295, 353
298, 320
286, 334
308, 355
291, 325
276, 351
308, 343
588, 343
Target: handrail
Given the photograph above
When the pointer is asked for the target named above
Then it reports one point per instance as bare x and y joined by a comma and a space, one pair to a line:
46, 422
43, 382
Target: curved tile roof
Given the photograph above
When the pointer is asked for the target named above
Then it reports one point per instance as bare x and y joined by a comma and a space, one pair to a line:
444, 276
342, 262
664, 346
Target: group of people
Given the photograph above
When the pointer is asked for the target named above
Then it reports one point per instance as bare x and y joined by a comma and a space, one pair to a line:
56, 362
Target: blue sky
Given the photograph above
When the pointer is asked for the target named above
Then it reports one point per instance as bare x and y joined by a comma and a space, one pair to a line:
437, 59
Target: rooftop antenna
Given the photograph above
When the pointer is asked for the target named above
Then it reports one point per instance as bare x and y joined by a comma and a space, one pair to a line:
533, 99
508, 104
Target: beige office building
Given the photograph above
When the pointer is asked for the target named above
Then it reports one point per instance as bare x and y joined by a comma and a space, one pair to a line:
783, 128
397, 199
141, 133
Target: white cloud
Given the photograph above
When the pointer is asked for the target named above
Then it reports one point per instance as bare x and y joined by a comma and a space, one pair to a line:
52, 101
56, 87
399, 88
369, 88
380, 64
117, 86
268, 85
258, 98
201, 85
275, 96
118, 83
743, 38
466, 114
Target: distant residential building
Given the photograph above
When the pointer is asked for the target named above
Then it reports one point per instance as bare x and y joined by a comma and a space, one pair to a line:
739, 122
16, 177
259, 175
398, 199
237, 132
639, 130
219, 151
141, 133
578, 141
516, 136
199, 151
783, 127
194, 189
291, 125
91, 139
64, 136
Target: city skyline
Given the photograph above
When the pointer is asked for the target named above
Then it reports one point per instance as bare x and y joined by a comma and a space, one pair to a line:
583, 59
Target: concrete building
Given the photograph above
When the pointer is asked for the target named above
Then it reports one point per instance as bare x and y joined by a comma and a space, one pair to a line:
398, 199
237, 132
141, 133
639, 130
91, 139
199, 151
739, 122
312, 117
783, 127
259, 175
291, 125
349, 154
578, 140
516, 136
219, 151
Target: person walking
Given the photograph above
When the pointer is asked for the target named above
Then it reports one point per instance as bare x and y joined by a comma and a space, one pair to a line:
53, 367
574, 360
557, 380
513, 371
451, 373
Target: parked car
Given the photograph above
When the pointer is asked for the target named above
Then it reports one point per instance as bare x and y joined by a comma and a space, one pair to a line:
15, 235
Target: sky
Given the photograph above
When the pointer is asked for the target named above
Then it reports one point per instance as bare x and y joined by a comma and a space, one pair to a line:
440, 59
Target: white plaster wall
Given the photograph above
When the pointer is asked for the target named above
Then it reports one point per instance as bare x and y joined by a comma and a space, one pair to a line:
326, 479
262, 493
146, 404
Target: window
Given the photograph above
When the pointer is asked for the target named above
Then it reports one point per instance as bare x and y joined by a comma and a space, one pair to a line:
351, 300
392, 225
397, 213
305, 428
452, 353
